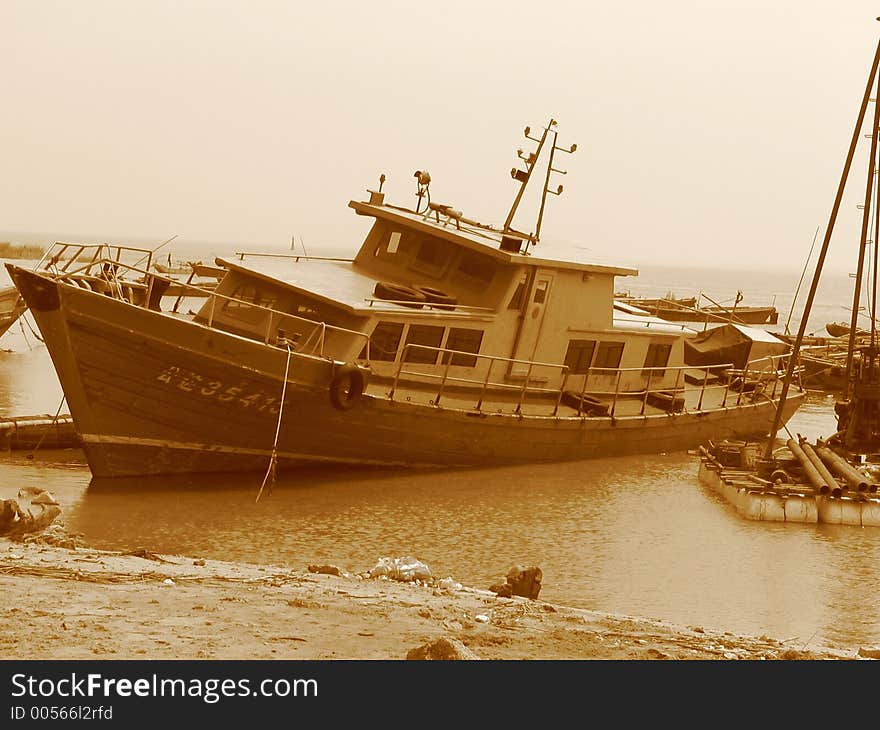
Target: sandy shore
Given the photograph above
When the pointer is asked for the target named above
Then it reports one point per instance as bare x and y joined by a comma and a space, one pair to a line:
88, 604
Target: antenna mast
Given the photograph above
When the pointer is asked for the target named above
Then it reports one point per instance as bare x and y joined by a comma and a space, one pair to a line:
558, 190
523, 177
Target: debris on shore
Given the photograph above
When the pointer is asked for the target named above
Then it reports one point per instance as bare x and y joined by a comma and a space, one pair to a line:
33, 511
86, 603
525, 582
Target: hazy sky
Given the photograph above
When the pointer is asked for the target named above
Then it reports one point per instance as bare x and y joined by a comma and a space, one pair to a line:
708, 132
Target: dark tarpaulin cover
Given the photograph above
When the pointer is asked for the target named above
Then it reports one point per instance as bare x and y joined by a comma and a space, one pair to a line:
731, 343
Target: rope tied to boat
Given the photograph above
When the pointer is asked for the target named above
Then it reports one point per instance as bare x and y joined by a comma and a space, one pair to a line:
271, 472
24, 320
54, 422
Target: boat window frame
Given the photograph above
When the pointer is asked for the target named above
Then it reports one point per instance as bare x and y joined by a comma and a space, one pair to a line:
418, 355
576, 364
652, 362
250, 309
465, 361
373, 347
469, 262
601, 357
433, 267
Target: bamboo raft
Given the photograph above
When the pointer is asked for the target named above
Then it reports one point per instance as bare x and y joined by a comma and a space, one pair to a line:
44, 431
815, 485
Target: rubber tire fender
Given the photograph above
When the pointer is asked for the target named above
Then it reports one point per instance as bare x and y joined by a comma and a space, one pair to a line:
347, 386
399, 293
436, 296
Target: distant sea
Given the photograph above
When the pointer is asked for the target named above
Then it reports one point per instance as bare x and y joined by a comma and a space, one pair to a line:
720, 285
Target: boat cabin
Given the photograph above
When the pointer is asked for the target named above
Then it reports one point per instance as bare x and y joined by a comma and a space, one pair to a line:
489, 312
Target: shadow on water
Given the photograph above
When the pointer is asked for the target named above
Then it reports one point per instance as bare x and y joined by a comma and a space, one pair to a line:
302, 478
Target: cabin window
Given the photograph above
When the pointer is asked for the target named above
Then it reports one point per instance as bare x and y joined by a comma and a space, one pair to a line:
384, 341
245, 303
579, 356
657, 357
423, 334
608, 355
474, 270
432, 257
464, 340
541, 291
394, 242
517, 299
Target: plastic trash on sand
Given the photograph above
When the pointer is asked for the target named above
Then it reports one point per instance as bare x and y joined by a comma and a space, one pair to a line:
449, 584
404, 569
33, 511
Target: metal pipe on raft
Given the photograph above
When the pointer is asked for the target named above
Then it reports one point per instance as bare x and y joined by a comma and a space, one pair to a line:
813, 475
837, 464
827, 476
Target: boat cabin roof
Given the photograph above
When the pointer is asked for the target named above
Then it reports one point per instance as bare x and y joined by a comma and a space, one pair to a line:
335, 282
484, 239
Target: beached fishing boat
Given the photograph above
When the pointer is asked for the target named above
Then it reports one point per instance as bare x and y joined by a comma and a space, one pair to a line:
12, 306
835, 479
443, 342
691, 310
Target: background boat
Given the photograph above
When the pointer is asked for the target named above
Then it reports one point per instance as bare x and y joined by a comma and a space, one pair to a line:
689, 309
11, 308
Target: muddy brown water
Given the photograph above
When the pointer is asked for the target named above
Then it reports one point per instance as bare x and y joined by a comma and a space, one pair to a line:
632, 535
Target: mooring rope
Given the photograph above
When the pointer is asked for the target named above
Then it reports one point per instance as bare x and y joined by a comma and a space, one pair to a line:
273, 459
43, 437
30, 327
24, 335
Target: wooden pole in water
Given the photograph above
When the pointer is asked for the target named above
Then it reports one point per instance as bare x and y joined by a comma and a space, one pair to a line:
777, 418
863, 242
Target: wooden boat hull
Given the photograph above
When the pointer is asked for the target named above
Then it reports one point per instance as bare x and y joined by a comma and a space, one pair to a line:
11, 308
839, 329
154, 394
686, 310
741, 315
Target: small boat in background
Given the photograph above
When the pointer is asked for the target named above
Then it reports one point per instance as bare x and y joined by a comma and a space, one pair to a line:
839, 329
689, 309
12, 306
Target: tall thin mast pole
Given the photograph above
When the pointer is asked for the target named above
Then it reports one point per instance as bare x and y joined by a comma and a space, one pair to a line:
777, 419
546, 183
876, 237
863, 242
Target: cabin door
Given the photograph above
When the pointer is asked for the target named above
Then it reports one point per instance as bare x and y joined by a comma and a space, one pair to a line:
532, 324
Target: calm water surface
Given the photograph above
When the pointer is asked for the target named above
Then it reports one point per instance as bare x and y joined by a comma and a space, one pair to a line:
633, 535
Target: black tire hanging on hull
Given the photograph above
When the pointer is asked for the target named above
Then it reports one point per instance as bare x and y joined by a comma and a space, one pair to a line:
347, 386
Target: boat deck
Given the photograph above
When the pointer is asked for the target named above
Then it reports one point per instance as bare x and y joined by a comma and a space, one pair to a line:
549, 405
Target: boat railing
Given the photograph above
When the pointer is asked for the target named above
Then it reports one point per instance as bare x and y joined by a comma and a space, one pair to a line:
312, 342
90, 254
486, 383
433, 306
723, 378
294, 256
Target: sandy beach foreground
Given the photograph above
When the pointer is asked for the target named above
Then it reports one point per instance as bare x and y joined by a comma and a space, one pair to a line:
82, 603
